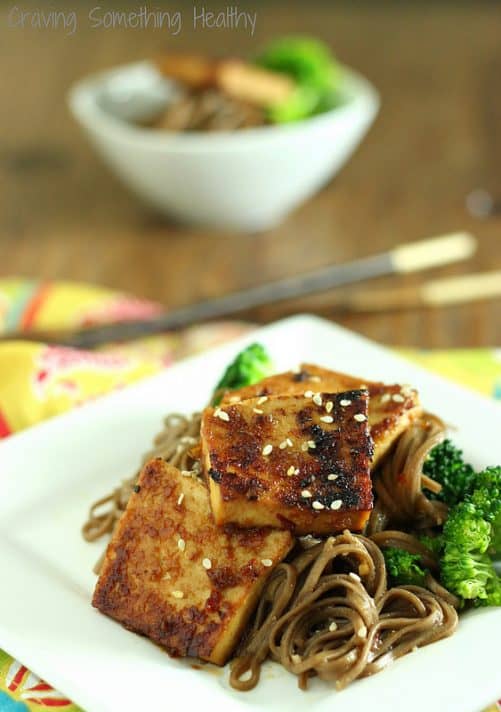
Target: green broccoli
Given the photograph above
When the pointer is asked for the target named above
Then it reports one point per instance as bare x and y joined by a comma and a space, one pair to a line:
465, 567
446, 466
486, 498
311, 64
403, 568
250, 366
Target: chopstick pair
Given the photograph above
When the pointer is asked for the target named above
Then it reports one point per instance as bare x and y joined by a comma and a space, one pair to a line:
433, 293
402, 259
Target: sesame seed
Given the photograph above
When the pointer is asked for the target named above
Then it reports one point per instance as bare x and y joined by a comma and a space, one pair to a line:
317, 399
306, 494
333, 627
398, 398
207, 564
362, 632
186, 473
181, 544
332, 477
344, 402
354, 576
267, 563
289, 442
167, 576
180, 498
234, 399
308, 394
337, 504
221, 414
385, 398
291, 470
363, 385
329, 406
258, 411
304, 447
315, 379
283, 445
178, 594
360, 417
262, 400
327, 419
267, 449
312, 444
296, 471
317, 505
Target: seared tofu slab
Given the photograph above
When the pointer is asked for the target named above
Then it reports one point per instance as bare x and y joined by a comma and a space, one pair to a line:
391, 407
172, 575
298, 461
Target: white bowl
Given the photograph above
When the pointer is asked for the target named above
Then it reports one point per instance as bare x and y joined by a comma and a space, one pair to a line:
245, 180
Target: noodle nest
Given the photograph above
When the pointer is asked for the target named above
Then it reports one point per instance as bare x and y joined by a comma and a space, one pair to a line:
328, 611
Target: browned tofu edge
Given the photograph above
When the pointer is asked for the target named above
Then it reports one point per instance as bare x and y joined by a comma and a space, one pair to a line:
183, 630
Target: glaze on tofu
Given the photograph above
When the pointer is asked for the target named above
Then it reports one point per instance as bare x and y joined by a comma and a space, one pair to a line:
295, 461
391, 407
172, 575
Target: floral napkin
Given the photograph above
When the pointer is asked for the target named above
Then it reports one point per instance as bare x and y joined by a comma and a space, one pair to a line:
38, 381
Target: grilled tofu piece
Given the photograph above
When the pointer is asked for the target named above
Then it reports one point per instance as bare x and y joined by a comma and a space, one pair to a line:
391, 407
172, 575
290, 461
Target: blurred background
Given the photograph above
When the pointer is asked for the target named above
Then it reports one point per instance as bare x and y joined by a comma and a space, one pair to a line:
437, 138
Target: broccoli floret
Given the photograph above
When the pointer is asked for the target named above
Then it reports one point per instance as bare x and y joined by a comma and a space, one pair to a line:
465, 528
469, 575
465, 567
250, 366
306, 59
446, 466
486, 493
486, 498
472, 531
311, 64
403, 568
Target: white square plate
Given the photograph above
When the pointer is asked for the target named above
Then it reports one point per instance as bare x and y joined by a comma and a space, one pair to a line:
50, 473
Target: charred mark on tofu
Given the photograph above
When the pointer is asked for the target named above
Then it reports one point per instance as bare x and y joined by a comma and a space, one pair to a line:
303, 459
391, 407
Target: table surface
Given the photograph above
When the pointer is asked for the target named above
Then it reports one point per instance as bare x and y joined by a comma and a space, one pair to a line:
437, 67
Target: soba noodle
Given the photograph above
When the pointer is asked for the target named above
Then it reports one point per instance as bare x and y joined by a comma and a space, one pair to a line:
327, 611
398, 486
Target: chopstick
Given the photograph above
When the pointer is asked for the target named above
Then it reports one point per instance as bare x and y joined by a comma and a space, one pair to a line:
403, 259
433, 293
